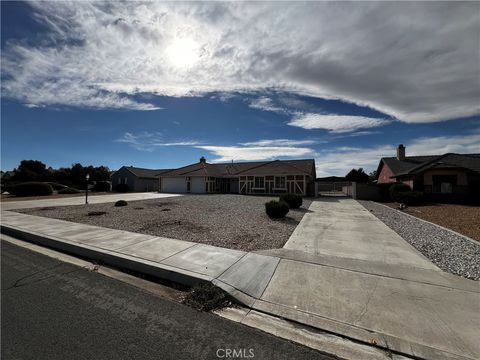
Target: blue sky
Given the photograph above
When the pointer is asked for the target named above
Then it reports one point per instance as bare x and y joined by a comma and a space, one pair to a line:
158, 85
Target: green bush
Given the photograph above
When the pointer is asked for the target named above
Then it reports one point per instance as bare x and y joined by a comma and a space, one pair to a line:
32, 189
396, 191
121, 203
123, 188
294, 201
102, 186
276, 209
410, 197
69, 190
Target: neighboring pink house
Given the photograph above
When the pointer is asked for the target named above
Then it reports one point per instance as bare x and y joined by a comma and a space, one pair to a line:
436, 174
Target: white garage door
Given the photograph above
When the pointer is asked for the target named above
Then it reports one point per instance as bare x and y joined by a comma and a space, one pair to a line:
174, 185
198, 185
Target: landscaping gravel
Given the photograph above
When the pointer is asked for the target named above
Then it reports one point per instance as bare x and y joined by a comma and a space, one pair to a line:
449, 251
231, 221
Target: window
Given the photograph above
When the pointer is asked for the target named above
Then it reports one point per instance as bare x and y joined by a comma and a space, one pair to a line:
119, 180
259, 182
125, 180
280, 182
446, 188
444, 184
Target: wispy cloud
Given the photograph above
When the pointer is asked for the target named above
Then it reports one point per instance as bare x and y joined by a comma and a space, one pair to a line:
146, 141
99, 54
266, 104
341, 160
336, 123
279, 142
255, 153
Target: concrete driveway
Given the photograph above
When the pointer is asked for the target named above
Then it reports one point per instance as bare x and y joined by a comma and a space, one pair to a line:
342, 227
80, 200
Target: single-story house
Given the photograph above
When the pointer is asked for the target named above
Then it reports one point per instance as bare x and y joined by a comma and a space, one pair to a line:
137, 179
433, 174
263, 177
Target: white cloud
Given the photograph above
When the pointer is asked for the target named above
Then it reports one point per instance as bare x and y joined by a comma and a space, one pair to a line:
99, 54
146, 141
336, 123
266, 104
279, 142
341, 160
255, 153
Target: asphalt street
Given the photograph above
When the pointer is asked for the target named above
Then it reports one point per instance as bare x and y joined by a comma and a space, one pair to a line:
54, 310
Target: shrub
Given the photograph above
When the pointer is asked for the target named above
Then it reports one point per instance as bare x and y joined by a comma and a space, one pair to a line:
122, 188
102, 186
121, 203
396, 189
410, 197
32, 189
276, 209
294, 201
69, 190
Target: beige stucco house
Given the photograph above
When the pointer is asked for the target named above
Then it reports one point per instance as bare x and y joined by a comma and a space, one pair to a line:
262, 177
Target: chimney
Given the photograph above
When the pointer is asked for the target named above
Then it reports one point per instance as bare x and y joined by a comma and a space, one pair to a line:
203, 160
401, 152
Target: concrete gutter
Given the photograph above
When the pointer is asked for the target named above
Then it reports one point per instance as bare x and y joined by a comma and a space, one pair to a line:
422, 313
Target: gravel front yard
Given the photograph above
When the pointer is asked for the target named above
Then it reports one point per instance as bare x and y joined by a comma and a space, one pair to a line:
464, 219
450, 252
231, 221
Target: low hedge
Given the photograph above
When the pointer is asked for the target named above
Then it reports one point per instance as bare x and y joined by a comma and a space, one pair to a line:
102, 186
57, 186
123, 188
276, 209
410, 197
69, 190
31, 189
121, 203
293, 201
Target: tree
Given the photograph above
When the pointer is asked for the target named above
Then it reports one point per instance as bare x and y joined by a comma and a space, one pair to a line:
31, 170
372, 176
77, 174
357, 175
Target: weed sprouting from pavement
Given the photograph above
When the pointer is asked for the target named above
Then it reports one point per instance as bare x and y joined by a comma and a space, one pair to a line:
207, 297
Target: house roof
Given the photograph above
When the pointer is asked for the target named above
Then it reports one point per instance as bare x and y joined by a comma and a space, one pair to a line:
276, 167
144, 173
417, 164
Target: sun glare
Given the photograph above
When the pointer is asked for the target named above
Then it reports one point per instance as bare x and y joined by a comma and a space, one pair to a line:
183, 52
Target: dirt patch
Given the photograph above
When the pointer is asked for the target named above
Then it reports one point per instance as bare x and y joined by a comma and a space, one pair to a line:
463, 219
206, 297
96, 213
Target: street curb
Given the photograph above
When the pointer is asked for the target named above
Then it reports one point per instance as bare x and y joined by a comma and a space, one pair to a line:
118, 260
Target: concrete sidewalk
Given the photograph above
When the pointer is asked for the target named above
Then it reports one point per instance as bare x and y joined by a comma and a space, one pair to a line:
80, 200
418, 311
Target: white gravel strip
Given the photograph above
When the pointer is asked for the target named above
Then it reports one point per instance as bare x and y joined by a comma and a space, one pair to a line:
448, 250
